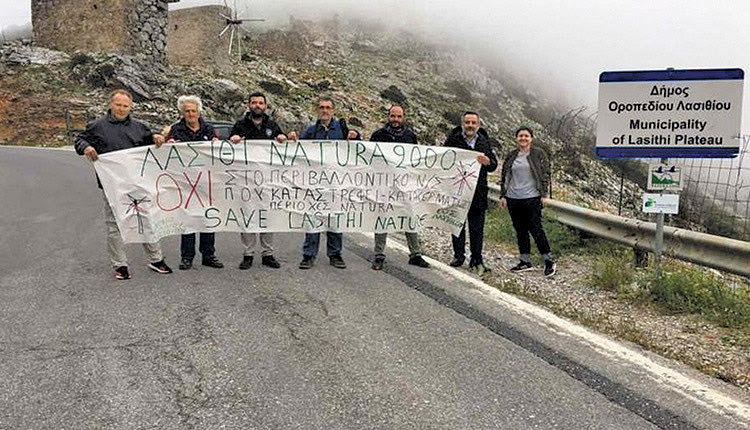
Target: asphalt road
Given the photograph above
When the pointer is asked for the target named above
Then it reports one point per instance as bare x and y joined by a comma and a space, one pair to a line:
405, 348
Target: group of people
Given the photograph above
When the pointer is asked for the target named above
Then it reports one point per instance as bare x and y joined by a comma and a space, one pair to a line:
524, 182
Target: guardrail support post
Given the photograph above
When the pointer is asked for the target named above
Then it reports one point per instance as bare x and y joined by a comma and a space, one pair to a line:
659, 242
640, 257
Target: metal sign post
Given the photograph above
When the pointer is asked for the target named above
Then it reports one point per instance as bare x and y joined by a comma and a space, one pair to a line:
690, 113
659, 239
660, 204
659, 242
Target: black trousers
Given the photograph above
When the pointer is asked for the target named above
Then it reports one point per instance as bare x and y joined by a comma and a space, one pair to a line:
187, 245
475, 219
526, 215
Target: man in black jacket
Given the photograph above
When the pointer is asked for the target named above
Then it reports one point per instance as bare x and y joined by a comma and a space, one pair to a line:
257, 125
472, 137
396, 131
114, 131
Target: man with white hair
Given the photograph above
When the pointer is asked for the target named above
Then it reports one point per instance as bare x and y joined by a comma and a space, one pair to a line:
193, 128
113, 131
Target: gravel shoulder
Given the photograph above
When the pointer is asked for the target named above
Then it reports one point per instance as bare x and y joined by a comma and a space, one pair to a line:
719, 352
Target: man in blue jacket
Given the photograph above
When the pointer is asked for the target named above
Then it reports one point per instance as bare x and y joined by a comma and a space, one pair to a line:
325, 128
472, 137
395, 130
114, 131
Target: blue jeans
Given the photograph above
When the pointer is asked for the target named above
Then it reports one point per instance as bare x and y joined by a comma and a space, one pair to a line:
187, 245
333, 244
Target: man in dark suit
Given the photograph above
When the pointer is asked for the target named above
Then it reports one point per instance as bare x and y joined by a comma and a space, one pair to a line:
472, 137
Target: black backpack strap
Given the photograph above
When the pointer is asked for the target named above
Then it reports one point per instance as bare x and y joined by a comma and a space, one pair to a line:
344, 128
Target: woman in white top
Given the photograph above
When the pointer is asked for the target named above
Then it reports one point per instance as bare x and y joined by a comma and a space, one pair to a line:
524, 182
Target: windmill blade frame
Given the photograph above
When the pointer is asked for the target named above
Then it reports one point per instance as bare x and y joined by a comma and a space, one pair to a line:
235, 21
231, 40
225, 30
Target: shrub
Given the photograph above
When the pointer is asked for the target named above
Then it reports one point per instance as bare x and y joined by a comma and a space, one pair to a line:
612, 272
695, 291
462, 93
394, 94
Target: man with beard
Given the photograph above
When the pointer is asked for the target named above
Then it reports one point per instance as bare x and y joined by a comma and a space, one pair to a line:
114, 131
257, 125
469, 135
395, 130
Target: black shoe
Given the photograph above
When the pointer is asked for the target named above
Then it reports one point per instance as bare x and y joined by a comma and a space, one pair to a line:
457, 262
122, 273
160, 267
549, 267
247, 262
212, 261
186, 263
307, 262
337, 262
417, 260
377, 264
521, 267
268, 260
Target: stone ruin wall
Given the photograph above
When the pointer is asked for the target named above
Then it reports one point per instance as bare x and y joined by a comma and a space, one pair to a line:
192, 36
129, 27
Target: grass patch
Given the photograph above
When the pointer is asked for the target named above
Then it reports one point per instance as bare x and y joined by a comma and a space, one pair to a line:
612, 271
685, 290
498, 227
563, 239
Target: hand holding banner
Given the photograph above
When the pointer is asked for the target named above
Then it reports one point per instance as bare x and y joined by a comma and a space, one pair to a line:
267, 186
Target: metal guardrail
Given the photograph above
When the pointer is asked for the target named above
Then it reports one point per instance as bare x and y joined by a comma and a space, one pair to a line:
718, 252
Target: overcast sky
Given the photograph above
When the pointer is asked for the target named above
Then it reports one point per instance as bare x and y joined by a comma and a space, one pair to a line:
566, 43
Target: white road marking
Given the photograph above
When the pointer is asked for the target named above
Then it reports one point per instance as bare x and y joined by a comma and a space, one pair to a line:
54, 148
682, 384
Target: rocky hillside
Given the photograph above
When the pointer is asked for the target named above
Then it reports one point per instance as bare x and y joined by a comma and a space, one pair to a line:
364, 67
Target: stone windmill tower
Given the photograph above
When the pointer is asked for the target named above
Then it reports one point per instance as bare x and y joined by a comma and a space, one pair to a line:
192, 36
129, 27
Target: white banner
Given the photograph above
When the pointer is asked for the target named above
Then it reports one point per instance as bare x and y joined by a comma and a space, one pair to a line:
266, 186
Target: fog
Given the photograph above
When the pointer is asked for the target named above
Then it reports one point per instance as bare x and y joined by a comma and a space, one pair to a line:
561, 46
558, 46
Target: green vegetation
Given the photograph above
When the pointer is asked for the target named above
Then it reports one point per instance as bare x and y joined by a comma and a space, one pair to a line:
564, 240
612, 272
681, 288
498, 227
